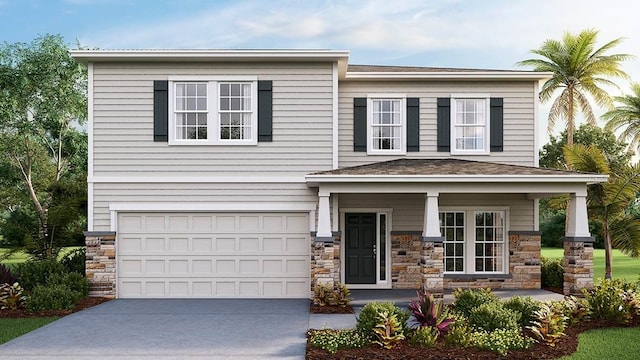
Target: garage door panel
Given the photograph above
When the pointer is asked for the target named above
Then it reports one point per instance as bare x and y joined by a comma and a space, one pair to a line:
213, 255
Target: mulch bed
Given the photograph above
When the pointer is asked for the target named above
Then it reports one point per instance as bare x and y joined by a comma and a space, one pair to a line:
330, 309
565, 346
80, 305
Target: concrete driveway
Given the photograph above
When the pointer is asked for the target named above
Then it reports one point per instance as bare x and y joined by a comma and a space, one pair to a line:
172, 329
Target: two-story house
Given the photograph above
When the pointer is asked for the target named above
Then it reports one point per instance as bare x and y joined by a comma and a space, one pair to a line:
259, 173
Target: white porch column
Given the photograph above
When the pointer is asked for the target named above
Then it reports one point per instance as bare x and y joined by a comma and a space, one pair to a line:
578, 220
431, 227
324, 217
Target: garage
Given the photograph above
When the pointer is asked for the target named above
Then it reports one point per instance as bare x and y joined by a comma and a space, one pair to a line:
213, 255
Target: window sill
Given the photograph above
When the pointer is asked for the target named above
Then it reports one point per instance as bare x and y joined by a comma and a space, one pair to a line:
389, 152
471, 153
211, 143
477, 276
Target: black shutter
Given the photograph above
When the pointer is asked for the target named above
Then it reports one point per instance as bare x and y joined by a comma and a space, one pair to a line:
497, 124
444, 124
161, 110
413, 124
265, 111
360, 124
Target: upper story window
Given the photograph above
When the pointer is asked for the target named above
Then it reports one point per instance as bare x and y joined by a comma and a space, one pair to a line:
214, 112
470, 124
386, 130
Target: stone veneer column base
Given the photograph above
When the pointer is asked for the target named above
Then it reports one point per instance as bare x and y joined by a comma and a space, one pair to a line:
325, 261
578, 266
432, 266
101, 263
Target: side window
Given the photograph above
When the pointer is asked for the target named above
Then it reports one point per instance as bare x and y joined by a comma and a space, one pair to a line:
470, 125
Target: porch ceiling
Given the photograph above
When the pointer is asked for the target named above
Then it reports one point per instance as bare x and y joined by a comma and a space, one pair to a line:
448, 171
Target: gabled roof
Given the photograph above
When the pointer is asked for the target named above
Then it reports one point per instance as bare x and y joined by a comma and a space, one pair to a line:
450, 170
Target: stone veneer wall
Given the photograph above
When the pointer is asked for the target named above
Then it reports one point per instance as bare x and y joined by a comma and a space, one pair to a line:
101, 263
578, 266
524, 267
325, 261
432, 264
406, 249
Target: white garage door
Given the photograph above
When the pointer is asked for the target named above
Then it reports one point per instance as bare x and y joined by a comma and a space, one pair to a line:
212, 255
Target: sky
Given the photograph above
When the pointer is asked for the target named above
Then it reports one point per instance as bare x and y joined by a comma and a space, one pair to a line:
486, 34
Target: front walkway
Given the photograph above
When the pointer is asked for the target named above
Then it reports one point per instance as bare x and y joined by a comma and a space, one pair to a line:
401, 298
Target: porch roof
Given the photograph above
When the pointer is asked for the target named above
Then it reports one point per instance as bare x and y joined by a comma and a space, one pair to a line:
449, 170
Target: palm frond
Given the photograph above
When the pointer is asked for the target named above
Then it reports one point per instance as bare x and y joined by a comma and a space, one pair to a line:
586, 158
625, 235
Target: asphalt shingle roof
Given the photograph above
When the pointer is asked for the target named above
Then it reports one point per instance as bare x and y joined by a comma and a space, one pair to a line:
425, 167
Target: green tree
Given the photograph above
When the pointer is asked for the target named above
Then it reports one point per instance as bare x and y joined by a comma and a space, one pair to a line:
608, 202
626, 117
579, 70
42, 102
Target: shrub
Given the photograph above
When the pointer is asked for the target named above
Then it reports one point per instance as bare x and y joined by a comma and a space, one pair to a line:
75, 261
459, 335
52, 297
608, 300
6, 276
574, 309
424, 337
334, 340
430, 313
368, 318
501, 340
469, 299
12, 296
73, 281
492, 316
549, 324
552, 273
36, 272
388, 330
525, 306
330, 295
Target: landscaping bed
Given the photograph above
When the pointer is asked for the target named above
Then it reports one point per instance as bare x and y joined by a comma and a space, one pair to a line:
80, 305
567, 345
330, 309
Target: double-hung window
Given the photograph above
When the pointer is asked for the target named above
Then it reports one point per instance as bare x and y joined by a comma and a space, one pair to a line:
474, 241
386, 120
470, 124
214, 112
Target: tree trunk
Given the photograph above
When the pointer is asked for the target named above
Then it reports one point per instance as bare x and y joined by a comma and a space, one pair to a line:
607, 249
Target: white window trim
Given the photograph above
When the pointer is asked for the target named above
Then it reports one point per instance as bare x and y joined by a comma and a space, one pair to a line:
487, 129
469, 246
403, 124
213, 115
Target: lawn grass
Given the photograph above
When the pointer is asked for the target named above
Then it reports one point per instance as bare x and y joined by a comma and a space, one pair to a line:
12, 328
20, 256
616, 343
623, 267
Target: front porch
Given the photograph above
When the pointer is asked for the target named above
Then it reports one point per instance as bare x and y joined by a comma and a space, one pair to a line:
431, 227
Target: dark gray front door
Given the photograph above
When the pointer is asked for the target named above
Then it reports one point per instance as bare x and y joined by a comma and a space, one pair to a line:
360, 248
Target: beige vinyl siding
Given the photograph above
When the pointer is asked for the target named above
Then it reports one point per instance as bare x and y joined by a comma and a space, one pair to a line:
519, 103
194, 193
123, 122
408, 209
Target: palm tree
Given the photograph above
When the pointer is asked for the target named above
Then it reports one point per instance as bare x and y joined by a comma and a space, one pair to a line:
626, 116
579, 71
608, 202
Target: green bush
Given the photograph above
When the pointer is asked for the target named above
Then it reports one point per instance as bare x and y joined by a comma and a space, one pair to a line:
37, 272
73, 281
552, 230
52, 297
501, 340
469, 299
549, 324
608, 300
492, 316
368, 318
552, 273
424, 337
334, 340
75, 261
574, 309
525, 306
459, 335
